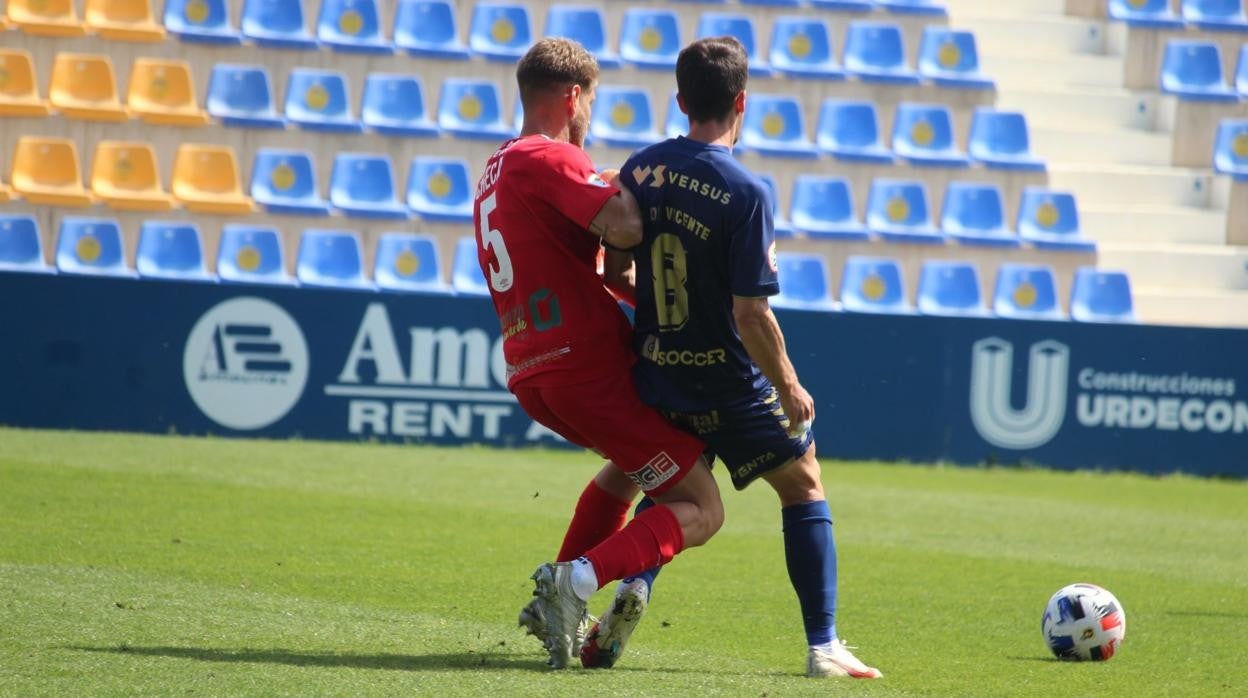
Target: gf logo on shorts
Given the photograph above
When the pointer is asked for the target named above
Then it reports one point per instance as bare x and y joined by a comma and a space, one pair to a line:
659, 470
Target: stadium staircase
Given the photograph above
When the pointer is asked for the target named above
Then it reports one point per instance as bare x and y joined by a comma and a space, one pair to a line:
1068, 67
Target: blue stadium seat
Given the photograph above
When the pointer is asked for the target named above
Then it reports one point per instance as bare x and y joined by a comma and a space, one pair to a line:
874, 285
914, 7
875, 52
974, 214
1216, 15
739, 26
623, 118
362, 185
999, 139
1193, 70
650, 38
800, 47
774, 125
923, 135
803, 282
284, 181
171, 250
438, 189
394, 105
1026, 292
782, 226
950, 58
823, 207
20, 247
317, 100
950, 288
844, 5
500, 31
1151, 14
91, 246
677, 123
897, 211
351, 26
1101, 296
472, 109
331, 259
201, 21
587, 26
1241, 71
466, 276
428, 28
773, 3
277, 24
1230, 150
1050, 220
251, 254
408, 262
850, 131
240, 95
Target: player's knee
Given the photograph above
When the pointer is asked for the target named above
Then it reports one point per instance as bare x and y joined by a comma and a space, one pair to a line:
798, 482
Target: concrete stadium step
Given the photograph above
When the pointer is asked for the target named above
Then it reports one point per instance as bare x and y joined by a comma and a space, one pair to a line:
1087, 107
1184, 306
1127, 224
1041, 34
1132, 185
995, 8
1214, 267
1074, 145
1018, 66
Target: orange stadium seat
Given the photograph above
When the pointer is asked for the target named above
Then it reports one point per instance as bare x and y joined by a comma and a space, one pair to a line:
46, 171
19, 90
205, 179
162, 91
125, 176
45, 17
84, 87
127, 20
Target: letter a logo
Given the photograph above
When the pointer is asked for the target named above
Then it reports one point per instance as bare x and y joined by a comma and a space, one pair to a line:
1039, 420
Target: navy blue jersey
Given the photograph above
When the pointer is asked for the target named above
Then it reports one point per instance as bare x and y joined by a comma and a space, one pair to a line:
708, 238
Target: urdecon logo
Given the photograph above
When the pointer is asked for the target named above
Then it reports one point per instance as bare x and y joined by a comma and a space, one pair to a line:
1040, 418
245, 363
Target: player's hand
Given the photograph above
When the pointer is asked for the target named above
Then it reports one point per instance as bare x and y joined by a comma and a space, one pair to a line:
609, 175
799, 407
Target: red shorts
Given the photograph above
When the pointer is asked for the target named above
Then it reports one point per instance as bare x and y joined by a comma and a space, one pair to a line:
606, 415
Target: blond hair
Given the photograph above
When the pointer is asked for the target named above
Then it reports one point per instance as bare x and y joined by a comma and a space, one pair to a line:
555, 63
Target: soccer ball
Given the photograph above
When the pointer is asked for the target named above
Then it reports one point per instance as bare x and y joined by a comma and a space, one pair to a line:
1083, 622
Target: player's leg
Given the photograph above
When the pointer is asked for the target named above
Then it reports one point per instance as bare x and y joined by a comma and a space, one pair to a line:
810, 555
658, 457
607, 639
601, 510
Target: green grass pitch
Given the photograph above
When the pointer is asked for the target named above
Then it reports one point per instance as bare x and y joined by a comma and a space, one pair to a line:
143, 565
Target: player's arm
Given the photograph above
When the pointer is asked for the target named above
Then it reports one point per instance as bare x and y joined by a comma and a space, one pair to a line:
618, 272
618, 222
763, 340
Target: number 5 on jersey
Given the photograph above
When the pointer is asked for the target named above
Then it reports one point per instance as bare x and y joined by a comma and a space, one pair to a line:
501, 278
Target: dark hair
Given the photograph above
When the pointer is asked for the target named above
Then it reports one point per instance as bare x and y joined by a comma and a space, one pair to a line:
710, 73
554, 63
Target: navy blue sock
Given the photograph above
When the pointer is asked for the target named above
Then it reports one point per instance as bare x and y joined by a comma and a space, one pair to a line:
653, 572
810, 554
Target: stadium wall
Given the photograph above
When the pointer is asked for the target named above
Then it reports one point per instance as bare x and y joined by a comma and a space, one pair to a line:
206, 358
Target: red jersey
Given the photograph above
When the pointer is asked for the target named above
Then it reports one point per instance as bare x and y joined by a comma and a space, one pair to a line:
533, 207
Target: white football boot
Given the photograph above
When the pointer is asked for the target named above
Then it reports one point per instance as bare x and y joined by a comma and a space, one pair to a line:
557, 615
837, 661
606, 640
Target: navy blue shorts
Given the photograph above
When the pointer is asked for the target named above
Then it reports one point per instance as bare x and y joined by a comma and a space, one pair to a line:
750, 437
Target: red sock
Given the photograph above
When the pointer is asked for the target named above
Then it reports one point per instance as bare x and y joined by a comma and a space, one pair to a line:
651, 539
598, 514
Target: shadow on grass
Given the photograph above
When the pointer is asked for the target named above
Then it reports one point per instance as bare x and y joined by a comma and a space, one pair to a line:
1046, 660
457, 661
